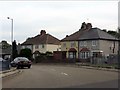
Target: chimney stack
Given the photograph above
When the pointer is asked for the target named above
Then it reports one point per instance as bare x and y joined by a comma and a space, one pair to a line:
83, 25
89, 26
66, 35
42, 32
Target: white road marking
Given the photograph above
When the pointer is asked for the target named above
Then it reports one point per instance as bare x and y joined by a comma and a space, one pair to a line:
64, 73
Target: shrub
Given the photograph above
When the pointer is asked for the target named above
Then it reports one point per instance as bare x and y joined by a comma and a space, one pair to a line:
26, 53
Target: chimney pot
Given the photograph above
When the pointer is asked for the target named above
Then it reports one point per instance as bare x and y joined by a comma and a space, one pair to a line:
83, 26
89, 26
66, 35
42, 32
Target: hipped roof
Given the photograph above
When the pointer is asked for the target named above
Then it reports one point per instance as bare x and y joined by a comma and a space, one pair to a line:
96, 33
91, 34
42, 39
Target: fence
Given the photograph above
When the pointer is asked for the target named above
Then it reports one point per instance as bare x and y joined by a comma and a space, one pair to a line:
111, 59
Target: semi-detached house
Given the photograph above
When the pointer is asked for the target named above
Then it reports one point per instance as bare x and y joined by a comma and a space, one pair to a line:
89, 42
42, 43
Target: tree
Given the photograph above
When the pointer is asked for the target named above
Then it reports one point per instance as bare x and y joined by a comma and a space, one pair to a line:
4, 44
104, 30
14, 50
114, 33
26, 53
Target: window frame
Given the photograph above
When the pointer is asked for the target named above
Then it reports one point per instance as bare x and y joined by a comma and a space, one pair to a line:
84, 55
72, 44
36, 46
83, 43
43, 46
94, 43
64, 44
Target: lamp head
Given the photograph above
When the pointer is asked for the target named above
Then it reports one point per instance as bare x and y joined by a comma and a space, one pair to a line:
8, 17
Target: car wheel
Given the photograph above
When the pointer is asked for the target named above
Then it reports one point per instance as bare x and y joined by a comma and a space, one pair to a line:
18, 67
28, 66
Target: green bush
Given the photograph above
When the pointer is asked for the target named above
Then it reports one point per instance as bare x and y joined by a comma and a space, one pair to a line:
26, 53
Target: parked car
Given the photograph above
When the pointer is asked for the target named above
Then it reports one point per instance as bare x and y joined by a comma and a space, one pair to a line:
21, 62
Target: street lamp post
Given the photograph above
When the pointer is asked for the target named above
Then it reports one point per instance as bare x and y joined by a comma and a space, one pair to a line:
11, 28
119, 47
11, 35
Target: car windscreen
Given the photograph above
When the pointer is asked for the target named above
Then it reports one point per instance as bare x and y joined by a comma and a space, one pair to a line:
20, 59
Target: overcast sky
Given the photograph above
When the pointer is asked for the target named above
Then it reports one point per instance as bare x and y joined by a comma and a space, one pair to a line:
58, 18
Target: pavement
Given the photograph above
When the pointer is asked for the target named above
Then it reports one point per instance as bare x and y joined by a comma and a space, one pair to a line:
97, 68
9, 72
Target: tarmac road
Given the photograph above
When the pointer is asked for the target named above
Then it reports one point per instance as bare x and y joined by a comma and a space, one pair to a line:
56, 76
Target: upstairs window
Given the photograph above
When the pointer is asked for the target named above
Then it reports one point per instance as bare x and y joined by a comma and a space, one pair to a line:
36, 46
94, 43
64, 44
83, 43
43, 46
73, 44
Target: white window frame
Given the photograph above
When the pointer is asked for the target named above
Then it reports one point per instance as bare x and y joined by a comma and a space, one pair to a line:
71, 55
36, 46
43, 46
84, 55
64, 44
72, 44
23, 47
94, 43
83, 43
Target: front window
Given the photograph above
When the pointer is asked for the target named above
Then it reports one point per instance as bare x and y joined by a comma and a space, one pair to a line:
73, 44
97, 54
72, 55
28, 47
84, 55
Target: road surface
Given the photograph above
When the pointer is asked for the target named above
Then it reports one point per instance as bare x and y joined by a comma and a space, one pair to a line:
56, 76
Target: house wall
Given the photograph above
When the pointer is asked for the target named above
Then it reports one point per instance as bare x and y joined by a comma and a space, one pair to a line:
106, 46
51, 47
68, 46
89, 45
41, 48
102, 45
27, 46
